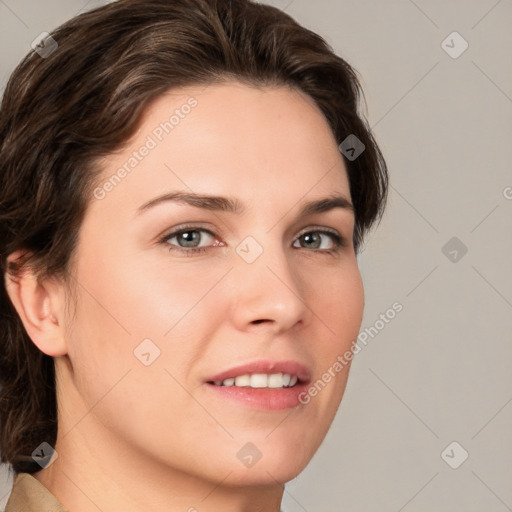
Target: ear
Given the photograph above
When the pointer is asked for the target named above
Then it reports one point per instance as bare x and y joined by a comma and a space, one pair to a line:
40, 306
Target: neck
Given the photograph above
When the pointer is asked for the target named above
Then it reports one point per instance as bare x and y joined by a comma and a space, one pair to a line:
83, 480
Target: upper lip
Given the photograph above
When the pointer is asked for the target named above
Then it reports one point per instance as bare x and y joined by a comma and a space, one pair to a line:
264, 366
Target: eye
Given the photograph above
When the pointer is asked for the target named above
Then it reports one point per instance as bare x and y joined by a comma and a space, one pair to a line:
314, 240
187, 240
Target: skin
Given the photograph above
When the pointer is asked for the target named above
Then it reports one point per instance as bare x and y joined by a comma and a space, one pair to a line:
136, 437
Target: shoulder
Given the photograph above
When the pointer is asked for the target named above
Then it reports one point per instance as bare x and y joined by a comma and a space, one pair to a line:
30, 495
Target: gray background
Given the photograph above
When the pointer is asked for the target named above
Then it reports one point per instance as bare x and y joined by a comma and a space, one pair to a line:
439, 371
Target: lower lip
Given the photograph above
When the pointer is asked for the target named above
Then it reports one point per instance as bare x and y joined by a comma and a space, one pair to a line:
268, 399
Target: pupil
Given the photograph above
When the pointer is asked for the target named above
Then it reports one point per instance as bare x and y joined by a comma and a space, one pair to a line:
191, 236
310, 236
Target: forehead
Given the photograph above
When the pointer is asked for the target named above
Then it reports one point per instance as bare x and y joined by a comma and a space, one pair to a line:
236, 112
207, 138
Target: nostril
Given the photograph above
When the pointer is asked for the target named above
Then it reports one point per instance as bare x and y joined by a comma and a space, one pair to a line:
259, 321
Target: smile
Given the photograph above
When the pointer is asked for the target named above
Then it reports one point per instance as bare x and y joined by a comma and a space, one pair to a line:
260, 380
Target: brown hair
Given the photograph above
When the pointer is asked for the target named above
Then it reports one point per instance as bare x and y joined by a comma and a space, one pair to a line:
63, 111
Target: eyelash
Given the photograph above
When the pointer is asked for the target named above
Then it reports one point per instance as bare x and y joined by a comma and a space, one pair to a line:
339, 241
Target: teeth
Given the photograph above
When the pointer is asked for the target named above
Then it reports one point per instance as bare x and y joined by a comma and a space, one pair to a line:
275, 380
243, 380
261, 380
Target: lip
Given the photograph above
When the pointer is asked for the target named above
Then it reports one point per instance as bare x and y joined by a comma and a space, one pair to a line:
265, 366
263, 399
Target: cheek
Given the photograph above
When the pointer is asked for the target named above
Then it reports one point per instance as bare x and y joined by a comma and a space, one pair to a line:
153, 298
110, 375
127, 309
341, 299
339, 307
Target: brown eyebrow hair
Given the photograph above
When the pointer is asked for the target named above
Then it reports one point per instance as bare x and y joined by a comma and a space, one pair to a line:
232, 205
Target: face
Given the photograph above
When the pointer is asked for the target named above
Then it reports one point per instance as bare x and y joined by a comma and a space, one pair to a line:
179, 297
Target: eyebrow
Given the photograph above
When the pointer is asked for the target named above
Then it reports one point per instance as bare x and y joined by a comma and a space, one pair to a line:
232, 205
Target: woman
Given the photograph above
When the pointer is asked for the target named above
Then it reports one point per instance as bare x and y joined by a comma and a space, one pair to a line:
184, 190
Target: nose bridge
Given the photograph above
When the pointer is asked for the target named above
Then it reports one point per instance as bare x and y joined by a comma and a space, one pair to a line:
267, 287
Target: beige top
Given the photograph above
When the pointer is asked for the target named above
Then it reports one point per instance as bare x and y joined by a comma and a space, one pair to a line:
30, 495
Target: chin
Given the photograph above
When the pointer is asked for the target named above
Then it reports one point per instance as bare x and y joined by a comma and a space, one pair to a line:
265, 475
274, 465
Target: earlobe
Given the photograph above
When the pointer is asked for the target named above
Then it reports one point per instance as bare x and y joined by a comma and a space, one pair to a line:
40, 308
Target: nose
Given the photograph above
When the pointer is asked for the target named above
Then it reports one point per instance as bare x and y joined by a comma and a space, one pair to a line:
268, 293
